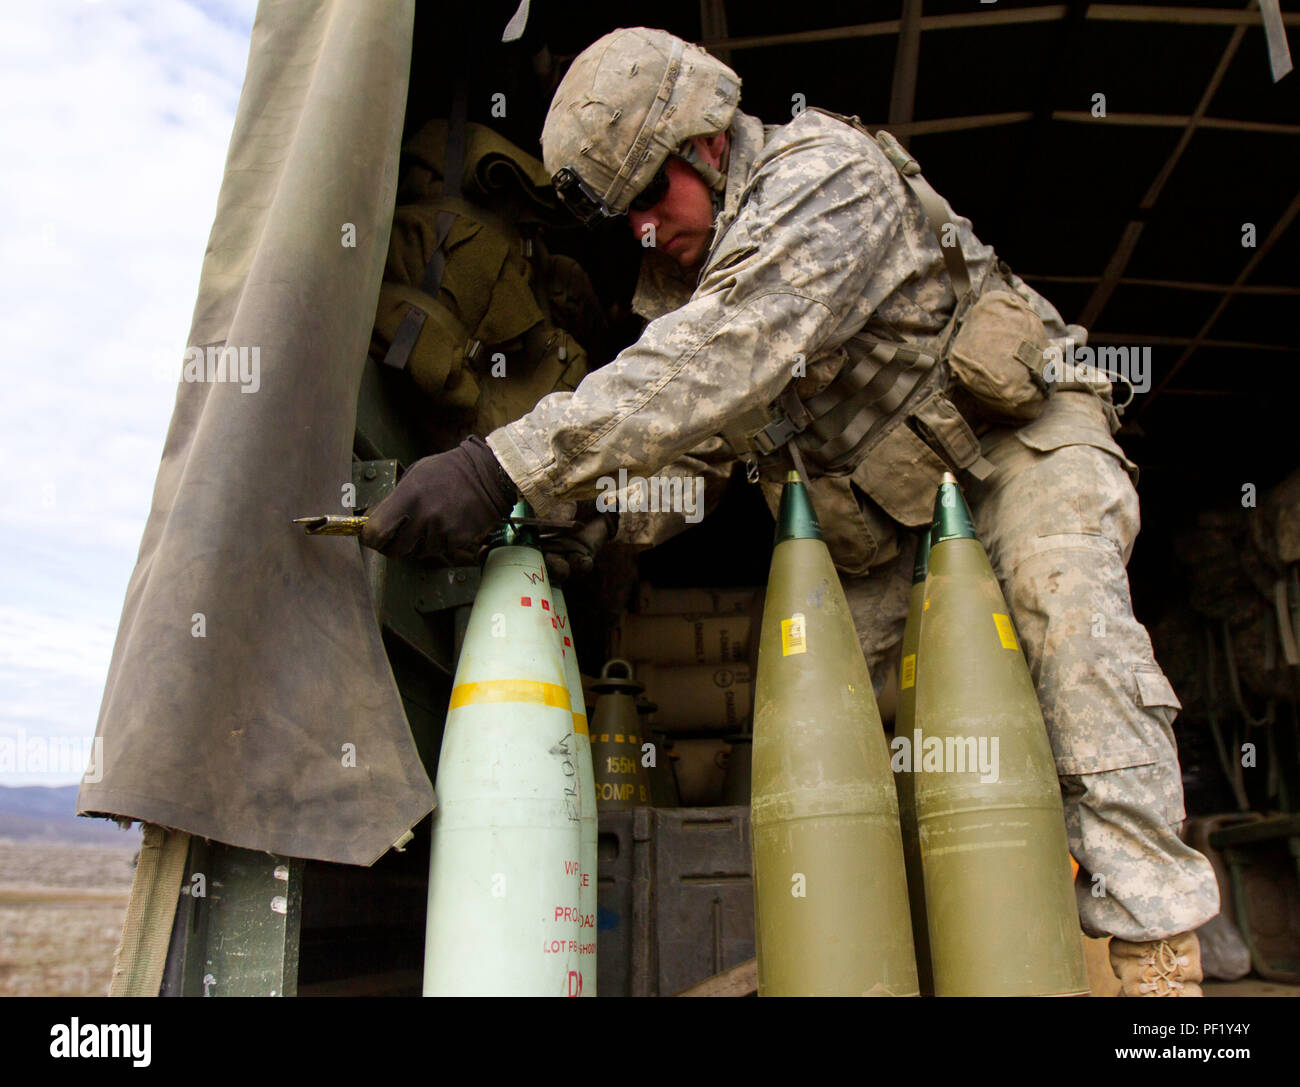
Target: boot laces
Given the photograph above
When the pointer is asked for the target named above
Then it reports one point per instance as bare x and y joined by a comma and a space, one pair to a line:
1162, 970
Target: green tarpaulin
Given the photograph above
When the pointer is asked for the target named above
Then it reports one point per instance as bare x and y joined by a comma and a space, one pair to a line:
248, 674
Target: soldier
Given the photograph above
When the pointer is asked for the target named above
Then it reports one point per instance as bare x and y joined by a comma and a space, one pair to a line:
798, 266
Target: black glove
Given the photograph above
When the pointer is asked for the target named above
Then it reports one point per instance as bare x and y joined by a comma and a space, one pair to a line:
575, 551
443, 506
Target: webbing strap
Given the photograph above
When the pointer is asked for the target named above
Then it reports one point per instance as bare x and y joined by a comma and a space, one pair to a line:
453, 166
849, 414
635, 153
876, 380
849, 381
848, 438
869, 429
795, 408
750, 429
142, 955
935, 210
864, 421
937, 213
833, 422
405, 338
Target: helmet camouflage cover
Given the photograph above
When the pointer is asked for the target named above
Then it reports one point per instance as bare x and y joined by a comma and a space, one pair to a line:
627, 102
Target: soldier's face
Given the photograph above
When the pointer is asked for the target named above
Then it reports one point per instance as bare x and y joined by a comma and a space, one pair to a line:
682, 221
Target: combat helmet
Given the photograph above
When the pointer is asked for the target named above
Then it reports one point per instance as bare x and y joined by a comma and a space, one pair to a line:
627, 102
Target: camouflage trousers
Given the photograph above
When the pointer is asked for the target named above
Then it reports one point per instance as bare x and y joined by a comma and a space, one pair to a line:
1059, 521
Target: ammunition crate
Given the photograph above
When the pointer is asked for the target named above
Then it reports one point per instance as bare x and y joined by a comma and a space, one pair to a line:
675, 898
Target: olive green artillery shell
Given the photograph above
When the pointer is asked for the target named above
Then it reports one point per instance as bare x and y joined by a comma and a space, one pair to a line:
998, 891
616, 739
903, 725
830, 892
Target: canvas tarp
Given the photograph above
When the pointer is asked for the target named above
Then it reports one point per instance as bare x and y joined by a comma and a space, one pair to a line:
248, 658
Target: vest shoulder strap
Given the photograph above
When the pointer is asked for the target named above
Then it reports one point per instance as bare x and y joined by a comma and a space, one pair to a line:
936, 211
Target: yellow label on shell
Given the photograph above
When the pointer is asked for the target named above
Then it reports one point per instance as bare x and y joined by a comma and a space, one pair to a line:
510, 690
909, 672
793, 637
1005, 631
927, 606
580, 723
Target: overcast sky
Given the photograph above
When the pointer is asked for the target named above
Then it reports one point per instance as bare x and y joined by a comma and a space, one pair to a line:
114, 120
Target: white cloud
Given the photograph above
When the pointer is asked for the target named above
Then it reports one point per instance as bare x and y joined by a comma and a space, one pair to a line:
115, 126
52, 669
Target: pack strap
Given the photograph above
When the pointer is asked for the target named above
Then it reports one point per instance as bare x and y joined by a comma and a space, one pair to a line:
936, 210
874, 394
863, 372
453, 166
405, 338
839, 426
141, 955
408, 331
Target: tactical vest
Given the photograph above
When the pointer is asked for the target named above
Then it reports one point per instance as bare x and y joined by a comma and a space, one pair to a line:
472, 305
895, 416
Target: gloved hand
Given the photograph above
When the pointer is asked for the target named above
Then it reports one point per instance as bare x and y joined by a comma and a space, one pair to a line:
443, 505
575, 551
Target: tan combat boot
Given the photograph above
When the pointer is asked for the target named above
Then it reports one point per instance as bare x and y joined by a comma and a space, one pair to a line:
1168, 967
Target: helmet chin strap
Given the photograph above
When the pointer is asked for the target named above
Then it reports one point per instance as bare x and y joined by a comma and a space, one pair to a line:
713, 177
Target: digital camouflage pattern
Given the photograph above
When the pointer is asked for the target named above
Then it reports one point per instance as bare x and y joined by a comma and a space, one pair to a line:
820, 238
803, 254
1058, 518
627, 102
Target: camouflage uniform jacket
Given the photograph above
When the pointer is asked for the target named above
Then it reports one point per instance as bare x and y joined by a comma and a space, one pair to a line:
818, 238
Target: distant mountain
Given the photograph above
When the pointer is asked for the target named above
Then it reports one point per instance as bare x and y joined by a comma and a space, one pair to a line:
41, 813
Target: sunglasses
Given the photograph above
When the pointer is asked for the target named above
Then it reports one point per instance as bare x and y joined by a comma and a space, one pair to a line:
653, 192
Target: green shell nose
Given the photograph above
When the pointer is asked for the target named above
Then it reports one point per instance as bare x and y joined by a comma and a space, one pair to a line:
795, 520
952, 519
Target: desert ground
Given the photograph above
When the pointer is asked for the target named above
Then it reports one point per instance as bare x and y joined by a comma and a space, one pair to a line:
61, 910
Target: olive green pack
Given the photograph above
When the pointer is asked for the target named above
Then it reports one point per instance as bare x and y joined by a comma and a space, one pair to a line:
466, 304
